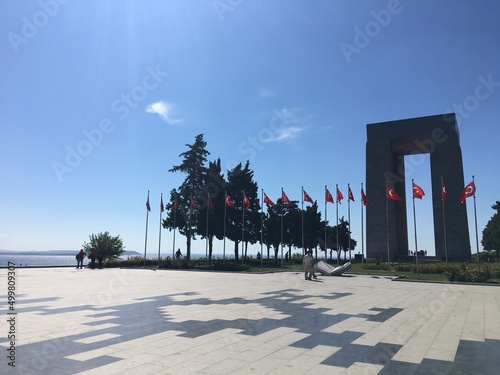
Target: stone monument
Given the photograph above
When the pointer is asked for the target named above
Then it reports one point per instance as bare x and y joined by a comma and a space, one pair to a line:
387, 144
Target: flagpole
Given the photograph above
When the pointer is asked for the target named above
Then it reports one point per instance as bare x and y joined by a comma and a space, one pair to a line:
475, 221
159, 235
206, 237
146, 238
326, 223
175, 220
444, 222
191, 210
281, 227
337, 209
224, 246
415, 226
302, 221
387, 217
349, 217
262, 228
242, 225
362, 234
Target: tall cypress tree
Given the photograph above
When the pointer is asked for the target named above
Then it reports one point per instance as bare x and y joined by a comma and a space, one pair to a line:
240, 181
190, 193
212, 207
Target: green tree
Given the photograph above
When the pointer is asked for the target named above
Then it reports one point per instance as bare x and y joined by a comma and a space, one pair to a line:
272, 227
344, 235
105, 244
292, 225
286, 216
312, 227
190, 195
331, 239
240, 183
491, 233
211, 213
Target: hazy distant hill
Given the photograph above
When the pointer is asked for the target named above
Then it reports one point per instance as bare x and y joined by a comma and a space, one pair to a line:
55, 252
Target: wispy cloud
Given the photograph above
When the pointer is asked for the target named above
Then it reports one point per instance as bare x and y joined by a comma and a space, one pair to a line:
287, 125
287, 133
266, 92
166, 110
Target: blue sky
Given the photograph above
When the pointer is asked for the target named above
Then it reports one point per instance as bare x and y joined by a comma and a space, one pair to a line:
99, 98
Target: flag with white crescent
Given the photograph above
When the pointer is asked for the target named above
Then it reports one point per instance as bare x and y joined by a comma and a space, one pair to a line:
391, 194
469, 191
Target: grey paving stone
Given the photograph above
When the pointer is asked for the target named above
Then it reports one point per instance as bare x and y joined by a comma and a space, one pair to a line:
139, 321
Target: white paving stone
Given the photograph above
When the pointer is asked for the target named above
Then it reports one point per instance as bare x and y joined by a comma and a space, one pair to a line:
125, 321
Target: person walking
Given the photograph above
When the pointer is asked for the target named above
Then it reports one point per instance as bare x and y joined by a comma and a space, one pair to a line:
93, 256
79, 259
308, 261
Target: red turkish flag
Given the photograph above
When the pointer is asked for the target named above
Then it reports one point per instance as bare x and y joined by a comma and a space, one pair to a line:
391, 194
417, 191
328, 196
364, 198
148, 207
193, 205
444, 193
211, 204
175, 205
267, 200
246, 202
339, 196
284, 198
229, 202
469, 191
307, 198
350, 195
162, 207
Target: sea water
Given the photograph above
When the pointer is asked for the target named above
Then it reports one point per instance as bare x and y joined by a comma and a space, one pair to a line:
39, 260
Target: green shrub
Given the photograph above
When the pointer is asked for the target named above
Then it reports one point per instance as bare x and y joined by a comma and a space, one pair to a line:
468, 273
433, 268
376, 266
230, 266
404, 267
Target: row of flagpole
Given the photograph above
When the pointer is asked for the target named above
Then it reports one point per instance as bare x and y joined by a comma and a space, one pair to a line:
468, 191
246, 205
391, 194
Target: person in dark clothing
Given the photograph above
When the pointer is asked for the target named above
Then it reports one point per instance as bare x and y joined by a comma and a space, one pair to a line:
79, 259
93, 256
100, 258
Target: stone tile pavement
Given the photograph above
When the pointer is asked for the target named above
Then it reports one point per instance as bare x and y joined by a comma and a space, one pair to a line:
123, 321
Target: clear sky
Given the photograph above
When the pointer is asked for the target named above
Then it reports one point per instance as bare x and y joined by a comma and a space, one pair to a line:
99, 98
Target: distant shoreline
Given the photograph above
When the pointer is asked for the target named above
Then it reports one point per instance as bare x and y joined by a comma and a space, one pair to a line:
54, 252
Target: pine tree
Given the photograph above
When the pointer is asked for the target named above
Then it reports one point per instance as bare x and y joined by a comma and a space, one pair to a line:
190, 195
212, 207
240, 183
491, 233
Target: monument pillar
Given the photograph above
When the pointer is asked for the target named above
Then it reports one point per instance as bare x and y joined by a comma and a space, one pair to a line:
387, 144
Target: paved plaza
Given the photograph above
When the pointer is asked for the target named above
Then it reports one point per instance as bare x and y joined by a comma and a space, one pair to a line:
125, 321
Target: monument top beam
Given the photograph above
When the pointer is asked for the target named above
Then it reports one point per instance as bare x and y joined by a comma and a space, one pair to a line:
418, 127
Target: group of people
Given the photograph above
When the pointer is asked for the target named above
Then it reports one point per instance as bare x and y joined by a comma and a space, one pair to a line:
94, 255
